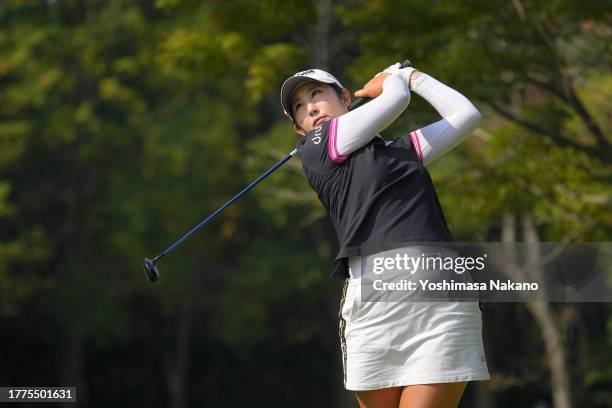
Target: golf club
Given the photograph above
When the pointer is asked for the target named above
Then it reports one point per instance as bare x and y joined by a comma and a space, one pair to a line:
150, 265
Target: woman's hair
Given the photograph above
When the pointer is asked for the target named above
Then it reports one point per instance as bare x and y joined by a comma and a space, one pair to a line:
337, 89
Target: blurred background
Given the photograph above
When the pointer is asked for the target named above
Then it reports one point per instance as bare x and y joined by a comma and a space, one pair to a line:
123, 123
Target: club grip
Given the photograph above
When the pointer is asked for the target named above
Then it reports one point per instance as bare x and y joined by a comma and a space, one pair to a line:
360, 101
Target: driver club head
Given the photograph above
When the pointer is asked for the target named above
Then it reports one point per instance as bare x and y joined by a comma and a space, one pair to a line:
151, 270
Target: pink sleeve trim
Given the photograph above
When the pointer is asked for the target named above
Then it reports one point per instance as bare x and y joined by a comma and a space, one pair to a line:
332, 148
414, 137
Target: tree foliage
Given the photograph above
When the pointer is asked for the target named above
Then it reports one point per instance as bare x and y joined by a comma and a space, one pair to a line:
124, 123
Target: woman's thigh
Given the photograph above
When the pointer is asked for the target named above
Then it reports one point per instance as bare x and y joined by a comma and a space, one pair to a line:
444, 395
382, 398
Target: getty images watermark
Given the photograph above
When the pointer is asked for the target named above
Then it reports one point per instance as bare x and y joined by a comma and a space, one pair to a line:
435, 263
487, 272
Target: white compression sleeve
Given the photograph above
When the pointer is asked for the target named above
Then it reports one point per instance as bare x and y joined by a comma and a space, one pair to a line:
460, 118
358, 127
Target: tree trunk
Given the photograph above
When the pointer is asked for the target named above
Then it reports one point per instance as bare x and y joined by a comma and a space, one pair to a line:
318, 47
553, 339
71, 371
540, 310
177, 363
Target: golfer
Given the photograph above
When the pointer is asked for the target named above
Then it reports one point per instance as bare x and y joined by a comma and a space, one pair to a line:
395, 354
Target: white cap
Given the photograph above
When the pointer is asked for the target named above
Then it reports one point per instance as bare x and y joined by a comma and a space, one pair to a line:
292, 82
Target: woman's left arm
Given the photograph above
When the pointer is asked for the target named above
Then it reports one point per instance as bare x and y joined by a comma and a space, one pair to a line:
459, 118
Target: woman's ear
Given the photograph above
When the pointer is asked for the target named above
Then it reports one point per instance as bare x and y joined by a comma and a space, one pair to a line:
346, 98
298, 130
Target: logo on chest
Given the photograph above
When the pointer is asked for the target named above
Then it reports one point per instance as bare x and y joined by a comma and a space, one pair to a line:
316, 139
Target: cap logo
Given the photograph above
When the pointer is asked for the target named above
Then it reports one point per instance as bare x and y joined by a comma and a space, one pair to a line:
307, 72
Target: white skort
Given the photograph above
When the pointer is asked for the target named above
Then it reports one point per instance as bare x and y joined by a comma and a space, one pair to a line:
389, 344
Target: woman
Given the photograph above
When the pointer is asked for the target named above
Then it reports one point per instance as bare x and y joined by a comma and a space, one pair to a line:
402, 354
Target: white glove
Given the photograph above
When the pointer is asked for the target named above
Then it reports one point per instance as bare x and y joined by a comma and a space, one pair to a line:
403, 73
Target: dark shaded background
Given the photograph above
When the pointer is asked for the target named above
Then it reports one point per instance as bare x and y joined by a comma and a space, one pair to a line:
123, 123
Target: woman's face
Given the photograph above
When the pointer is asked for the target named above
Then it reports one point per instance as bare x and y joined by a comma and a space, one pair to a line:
313, 103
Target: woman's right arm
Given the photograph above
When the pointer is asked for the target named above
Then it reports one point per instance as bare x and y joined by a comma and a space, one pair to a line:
357, 128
